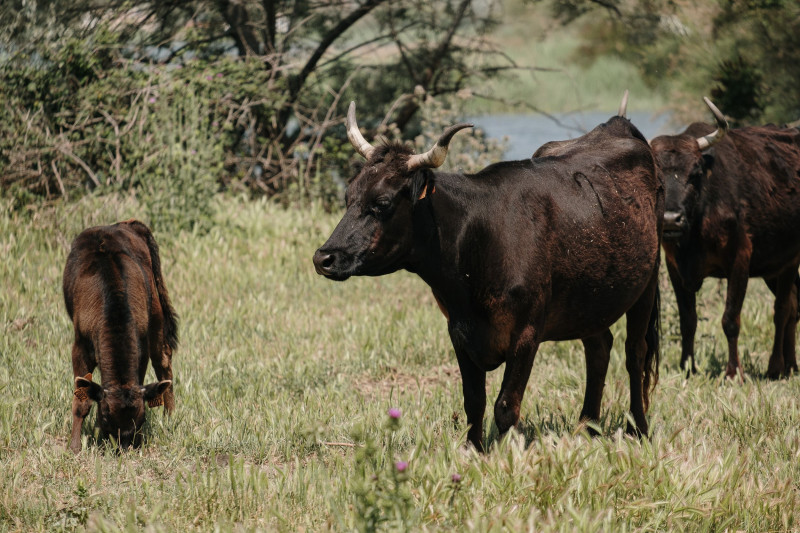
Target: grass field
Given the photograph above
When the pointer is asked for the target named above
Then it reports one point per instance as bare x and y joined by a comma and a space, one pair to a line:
284, 381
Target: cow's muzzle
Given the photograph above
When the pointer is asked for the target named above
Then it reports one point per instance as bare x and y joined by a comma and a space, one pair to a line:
330, 265
674, 225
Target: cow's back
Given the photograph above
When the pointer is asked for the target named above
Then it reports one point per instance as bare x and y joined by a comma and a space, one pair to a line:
755, 180
581, 220
108, 288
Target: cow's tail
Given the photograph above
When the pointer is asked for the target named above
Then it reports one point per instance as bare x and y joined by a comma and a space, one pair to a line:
170, 317
653, 355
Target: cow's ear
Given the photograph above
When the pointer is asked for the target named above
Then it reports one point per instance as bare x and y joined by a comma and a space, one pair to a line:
155, 390
708, 162
88, 387
421, 184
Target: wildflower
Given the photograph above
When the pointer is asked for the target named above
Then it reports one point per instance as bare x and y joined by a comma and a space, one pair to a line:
456, 478
152, 99
394, 412
401, 466
219, 74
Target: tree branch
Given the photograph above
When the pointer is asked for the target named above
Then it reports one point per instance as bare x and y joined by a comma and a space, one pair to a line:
296, 82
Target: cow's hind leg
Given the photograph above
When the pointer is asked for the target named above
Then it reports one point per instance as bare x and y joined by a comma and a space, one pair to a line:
515, 379
598, 351
782, 360
82, 364
161, 358
642, 353
731, 317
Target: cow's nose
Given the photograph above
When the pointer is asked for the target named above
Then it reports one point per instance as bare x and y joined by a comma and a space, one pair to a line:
673, 219
323, 261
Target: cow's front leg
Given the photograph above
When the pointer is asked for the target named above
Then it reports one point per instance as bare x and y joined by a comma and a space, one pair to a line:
737, 288
687, 313
515, 379
785, 320
473, 383
790, 334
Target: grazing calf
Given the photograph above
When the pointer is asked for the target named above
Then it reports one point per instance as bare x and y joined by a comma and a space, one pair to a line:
122, 317
555, 247
733, 212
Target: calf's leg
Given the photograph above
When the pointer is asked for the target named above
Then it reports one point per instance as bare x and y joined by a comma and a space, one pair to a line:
161, 358
82, 364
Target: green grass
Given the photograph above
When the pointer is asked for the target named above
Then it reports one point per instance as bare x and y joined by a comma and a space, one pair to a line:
284, 379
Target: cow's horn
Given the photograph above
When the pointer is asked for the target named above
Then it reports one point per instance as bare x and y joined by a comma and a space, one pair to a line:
354, 134
706, 142
623, 106
435, 156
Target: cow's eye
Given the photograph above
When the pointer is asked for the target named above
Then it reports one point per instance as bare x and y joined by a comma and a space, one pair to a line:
381, 206
696, 175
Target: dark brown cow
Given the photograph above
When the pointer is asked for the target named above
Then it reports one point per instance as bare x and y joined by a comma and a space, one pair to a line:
122, 317
733, 212
555, 247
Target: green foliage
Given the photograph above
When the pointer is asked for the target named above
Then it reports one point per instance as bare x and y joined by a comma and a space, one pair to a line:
746, 53
380, 488
73, 123
177, 182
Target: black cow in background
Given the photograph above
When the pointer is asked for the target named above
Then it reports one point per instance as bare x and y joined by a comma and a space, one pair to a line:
555, 247
733, 212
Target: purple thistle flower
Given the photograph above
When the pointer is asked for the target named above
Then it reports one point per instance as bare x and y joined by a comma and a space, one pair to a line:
219, 74
456, 478
394, 412
209, 78
401, 466
152, 100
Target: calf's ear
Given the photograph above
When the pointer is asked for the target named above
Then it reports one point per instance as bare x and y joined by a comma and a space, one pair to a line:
91, 389
155, 390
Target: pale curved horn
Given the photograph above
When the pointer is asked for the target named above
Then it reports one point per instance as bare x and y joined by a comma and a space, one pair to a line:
354, 134
623, 106
707, 141
435, 156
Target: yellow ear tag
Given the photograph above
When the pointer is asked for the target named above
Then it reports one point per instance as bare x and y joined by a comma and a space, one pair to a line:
425, 191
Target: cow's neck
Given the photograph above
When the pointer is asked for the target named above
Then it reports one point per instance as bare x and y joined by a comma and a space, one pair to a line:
438, 221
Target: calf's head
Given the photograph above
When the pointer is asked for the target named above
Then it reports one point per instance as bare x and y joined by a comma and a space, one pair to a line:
376, 231
683, 166
121, 409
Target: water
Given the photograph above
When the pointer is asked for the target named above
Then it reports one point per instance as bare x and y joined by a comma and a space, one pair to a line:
528, 132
